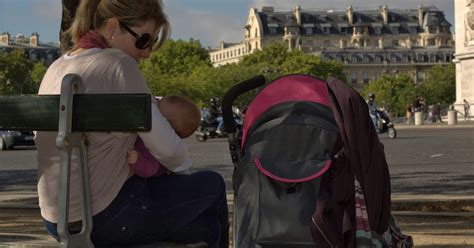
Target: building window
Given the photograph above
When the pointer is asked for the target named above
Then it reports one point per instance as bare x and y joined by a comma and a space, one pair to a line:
395, 30
405, 58
413, 30
432, 30
447, 58
354, 77
354, 58
420, 58
378, 58
309, 31
377, 30
256, 33
395, 43
430, 42
366, 58
292, 30
327, 30
273, 30
394, 58
344, 30
366, 77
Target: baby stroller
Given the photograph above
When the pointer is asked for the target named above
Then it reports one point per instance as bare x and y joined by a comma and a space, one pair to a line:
287, 142
296, 161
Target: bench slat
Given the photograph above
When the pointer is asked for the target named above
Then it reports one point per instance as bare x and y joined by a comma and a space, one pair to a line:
91, 112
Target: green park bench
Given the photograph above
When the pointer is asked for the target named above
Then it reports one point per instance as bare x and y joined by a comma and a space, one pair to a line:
73, 114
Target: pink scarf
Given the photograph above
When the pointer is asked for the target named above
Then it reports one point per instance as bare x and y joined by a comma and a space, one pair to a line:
92, 39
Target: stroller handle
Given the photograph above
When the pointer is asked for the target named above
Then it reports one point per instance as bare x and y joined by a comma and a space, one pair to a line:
232, 94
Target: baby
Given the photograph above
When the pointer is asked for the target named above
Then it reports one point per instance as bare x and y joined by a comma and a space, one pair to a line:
183, 115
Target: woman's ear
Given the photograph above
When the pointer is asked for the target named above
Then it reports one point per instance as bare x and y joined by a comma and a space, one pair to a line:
111, 28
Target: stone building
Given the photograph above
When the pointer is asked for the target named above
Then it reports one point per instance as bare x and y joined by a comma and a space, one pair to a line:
367, 42
464, 57
36, 51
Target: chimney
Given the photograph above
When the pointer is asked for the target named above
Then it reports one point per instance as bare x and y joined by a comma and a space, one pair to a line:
420, 15
297, 13
342, 43
5, 38
381, 42
34, 39
384, 13
350, 14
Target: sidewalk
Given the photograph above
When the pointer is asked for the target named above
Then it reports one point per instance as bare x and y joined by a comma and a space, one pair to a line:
432, 220
438, 221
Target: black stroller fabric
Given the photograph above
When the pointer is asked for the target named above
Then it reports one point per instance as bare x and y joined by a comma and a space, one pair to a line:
276, 184
334, 221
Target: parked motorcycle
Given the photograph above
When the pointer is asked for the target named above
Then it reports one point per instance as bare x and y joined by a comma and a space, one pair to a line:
385, 125
207, 129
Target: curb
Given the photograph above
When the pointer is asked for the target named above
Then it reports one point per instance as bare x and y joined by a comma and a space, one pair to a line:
431, 126
400, 202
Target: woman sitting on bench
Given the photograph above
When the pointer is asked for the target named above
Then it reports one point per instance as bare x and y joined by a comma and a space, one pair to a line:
110, 37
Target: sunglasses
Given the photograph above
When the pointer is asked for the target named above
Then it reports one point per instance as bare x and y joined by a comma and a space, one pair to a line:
142, 41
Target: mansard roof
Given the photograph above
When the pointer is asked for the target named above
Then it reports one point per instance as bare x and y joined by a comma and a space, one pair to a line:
320, 21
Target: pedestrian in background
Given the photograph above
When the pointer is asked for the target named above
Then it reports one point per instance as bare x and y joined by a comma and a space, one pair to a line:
467, 110
437, 113
409, 113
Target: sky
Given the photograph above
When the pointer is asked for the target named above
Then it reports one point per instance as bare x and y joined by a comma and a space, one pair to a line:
209, 21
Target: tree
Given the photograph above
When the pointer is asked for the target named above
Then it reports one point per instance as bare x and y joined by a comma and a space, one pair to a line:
279, 61
298, 62
37, 74
439, 85
167, 70
393, 92
16, 73
177, 58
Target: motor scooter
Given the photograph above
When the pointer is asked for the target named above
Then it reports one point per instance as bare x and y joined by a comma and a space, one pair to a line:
207, 128
385, 125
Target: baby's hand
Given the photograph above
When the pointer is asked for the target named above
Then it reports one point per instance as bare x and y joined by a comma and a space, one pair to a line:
132, 156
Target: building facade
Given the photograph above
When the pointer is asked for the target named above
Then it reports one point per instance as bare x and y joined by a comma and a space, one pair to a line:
36, 51
367, 43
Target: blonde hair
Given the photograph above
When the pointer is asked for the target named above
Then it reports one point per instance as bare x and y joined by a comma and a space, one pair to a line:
93, 14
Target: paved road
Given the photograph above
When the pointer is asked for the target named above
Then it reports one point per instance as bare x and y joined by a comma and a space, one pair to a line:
421, 161
429, 161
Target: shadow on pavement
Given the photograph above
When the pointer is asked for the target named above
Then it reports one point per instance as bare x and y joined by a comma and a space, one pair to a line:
18, 180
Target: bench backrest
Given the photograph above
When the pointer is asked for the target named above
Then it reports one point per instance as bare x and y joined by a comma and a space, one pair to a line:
91, 112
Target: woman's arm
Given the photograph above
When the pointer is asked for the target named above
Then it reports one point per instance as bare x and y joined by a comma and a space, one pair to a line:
164, 144
162, 141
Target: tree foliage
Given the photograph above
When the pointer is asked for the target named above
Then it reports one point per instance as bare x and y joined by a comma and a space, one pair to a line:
183, 68
439, 85
393, 92
15, 73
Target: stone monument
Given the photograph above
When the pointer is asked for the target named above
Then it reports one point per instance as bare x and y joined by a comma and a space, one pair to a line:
464, 55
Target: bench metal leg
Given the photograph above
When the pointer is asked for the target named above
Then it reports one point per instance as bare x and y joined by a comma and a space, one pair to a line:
67, 142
